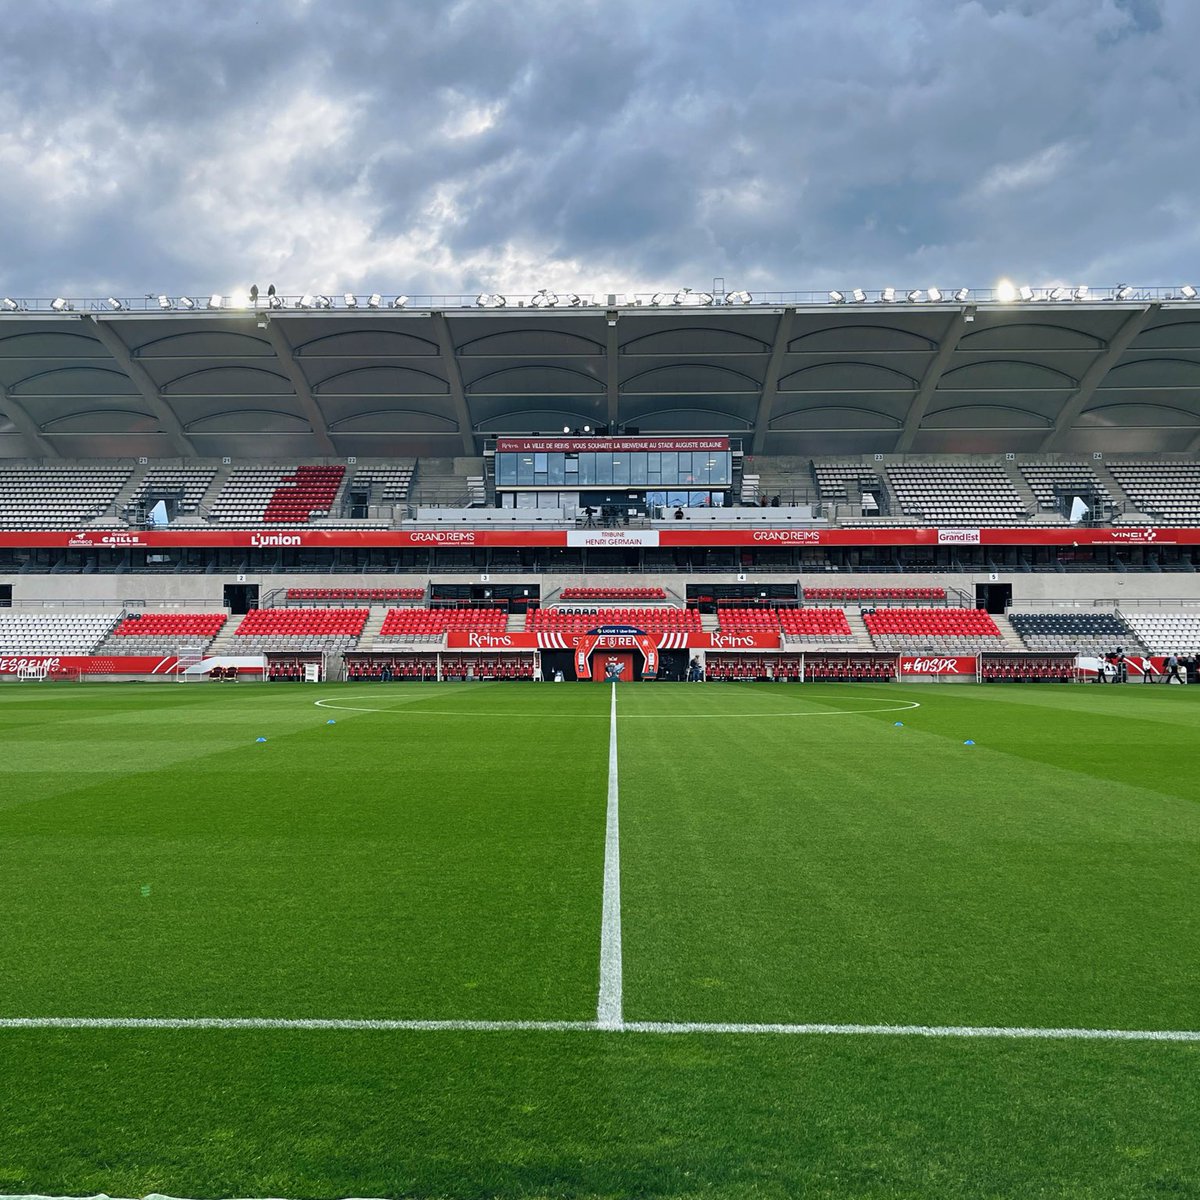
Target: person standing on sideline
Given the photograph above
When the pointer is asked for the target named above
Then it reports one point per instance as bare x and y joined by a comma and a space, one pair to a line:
1172, 671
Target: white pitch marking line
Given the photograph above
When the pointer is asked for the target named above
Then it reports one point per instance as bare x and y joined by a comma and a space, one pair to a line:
901, 706
670, 1028
609, 1014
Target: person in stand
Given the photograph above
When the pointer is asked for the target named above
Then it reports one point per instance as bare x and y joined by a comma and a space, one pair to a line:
679, 514
589, 514
1172, 671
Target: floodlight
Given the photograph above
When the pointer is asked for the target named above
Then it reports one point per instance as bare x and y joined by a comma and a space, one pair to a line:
575, 300
888, 295
738, 298
566, 429
544, 299
681, 296
859, 296
185, 302
702, 297
401, 301
914, 297
58, 304
374, 300
659, 298
239, 300
9, 304
1005, 292
350, 300
488, 300
324, 302
114, 304
1124, 291
837, 297
306, 301
1059, 293
935, 295
587, 429
215, 301
1188, 292
1025, 292
962, 295
164, 302
1081, 292
274, 302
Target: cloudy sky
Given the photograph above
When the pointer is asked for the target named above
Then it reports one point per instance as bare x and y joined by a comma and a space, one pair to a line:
446, 146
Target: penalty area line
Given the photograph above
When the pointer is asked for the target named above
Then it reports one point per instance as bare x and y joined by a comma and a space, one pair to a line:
667, 1028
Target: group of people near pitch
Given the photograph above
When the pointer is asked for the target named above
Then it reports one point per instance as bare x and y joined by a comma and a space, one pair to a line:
1176, 669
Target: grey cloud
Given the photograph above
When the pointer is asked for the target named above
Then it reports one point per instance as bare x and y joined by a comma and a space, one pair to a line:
890, 141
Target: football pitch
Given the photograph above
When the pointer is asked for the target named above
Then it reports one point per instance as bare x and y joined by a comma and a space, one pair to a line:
518, 940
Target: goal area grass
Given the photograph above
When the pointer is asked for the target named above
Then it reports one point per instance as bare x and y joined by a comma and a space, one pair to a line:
256, 945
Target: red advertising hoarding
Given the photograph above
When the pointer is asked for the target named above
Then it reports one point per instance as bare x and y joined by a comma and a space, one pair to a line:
312, 539
963, 665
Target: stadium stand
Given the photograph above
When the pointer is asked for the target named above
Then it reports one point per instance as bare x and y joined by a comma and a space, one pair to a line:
1166, 491
815, 624
285, 495
613, 593
425, 624
874, 593
742, 620
847, 482
915, 628
385, 670
333, 630
957, 494
1166, 632
53, 633
384, 484
369, 595
58, 498
1083, 633
185, 485
163, 633
1048, 479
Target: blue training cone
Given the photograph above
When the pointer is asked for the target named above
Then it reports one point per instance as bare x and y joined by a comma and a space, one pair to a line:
260, 739
968, 742
899, 724
331, 721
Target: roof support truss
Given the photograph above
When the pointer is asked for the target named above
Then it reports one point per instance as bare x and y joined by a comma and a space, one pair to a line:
1093, 377
304, 393
612, 373
25, 425
929, 382
137, 375
458, 394
770, 387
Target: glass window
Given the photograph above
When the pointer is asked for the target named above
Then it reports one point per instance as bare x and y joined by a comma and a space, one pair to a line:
621, 469
637, 468
604, 468
571, 463
525, 470
587, 468
539, 464
670, 466
557, 472
506, 469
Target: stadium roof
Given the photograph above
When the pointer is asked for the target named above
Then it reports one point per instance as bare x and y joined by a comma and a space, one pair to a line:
788, 377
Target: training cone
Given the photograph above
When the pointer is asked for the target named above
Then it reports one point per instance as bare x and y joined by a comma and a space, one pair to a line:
331, 721
260, 739
968, 742
899, 724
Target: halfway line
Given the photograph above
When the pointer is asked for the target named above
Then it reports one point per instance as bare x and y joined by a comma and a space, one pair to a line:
609, 1008
1014, 1032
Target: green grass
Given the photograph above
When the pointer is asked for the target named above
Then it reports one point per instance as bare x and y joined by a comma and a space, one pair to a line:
782, 860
